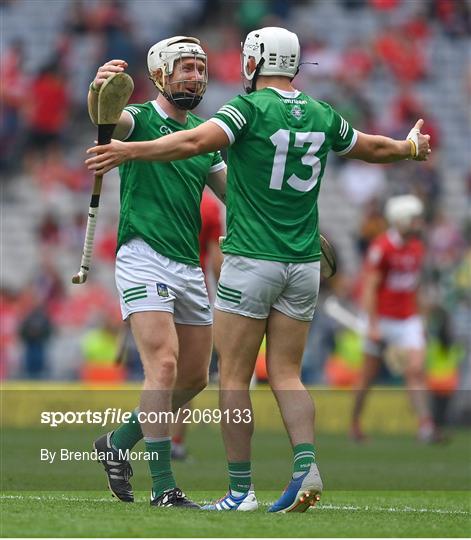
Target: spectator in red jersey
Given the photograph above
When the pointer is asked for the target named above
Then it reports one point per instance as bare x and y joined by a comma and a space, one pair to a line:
393, 269
454, 17
384, 5
357, 62
48, 109
10, 315
401, 54
13, 92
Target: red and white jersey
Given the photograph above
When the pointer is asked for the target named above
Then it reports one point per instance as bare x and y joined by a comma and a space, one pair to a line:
399, 263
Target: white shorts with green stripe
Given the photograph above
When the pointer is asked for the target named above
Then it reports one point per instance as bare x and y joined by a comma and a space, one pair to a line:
149, 281
252, 287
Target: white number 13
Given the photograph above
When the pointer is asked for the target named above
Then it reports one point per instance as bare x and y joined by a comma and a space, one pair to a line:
281, 141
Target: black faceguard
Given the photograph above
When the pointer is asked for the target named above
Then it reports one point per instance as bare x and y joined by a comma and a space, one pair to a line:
186, 101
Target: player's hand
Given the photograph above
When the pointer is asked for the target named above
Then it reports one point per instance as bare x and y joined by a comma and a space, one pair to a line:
108, 156
106, 70
420, 143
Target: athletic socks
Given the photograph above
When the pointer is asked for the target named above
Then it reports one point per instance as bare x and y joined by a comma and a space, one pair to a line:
160, 468
240, 477
128, 434
304, 455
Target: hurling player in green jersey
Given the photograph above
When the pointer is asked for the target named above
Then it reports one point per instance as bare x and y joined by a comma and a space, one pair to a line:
161, 285
278, 139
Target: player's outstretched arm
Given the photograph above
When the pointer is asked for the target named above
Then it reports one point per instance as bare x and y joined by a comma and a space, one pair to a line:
380, 149
208, 137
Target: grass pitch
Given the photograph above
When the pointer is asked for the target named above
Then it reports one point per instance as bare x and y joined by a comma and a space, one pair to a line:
391, 486
339, 514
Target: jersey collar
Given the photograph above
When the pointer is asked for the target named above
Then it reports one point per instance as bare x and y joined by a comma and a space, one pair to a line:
285, 93
159, 110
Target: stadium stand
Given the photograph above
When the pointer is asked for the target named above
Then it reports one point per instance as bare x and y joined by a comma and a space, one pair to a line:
361, 72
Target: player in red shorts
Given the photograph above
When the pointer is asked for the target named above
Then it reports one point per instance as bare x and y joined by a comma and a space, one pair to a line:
393, 268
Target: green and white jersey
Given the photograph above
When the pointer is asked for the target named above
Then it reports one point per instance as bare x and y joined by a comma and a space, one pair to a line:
278, 153
160, 202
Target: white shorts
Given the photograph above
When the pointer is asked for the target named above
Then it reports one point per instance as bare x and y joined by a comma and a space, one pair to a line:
251, 287
148, 281
401, 333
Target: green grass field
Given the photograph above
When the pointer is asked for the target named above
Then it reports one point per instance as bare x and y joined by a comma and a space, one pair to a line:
391, 486
371, 513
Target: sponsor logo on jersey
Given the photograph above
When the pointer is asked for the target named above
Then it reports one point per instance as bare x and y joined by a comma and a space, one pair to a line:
294, 101
162, 290
165, 130
296, 111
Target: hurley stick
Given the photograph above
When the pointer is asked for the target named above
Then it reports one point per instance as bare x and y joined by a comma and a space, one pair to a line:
112, 98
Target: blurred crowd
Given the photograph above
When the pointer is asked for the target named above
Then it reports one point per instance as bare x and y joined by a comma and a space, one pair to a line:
44, 128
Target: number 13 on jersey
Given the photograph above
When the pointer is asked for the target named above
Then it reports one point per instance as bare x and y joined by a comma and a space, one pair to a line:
281, 141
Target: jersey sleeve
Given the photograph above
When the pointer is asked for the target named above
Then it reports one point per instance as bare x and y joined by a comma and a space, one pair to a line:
218, 163
343, 135
233, 118
134, 111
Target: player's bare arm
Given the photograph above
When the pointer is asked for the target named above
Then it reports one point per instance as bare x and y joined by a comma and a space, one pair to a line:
104, 72
207, 137
369, 299
380, 149
217, 182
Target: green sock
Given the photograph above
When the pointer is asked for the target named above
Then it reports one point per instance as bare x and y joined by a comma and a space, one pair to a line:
160, 469
303, 455
128, 434
240, 476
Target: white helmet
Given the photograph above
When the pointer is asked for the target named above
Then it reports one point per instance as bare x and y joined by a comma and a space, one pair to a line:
276, 52
401, 210
163, 55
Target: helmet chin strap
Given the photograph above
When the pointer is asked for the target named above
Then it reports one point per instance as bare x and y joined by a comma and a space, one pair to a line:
253, 85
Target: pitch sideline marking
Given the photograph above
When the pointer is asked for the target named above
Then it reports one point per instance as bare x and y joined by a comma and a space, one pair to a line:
406, 509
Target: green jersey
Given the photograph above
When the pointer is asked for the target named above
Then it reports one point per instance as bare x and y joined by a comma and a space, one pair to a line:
160, 202
278, 153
